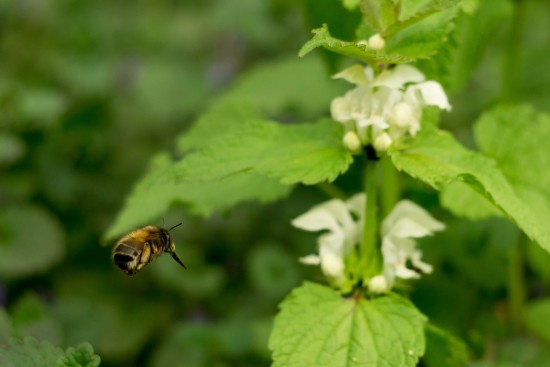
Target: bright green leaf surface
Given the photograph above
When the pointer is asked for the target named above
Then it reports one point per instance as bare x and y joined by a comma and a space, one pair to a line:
463, 201
437, 159
379, 14
444, 349
317, 327
24, 232
306, 153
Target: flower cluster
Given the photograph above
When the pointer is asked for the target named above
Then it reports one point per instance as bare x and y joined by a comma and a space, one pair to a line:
382, 109
344, 223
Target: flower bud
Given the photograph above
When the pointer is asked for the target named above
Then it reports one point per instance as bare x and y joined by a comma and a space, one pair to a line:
382, 142
378, 284
352, 142
376, 42
402, 114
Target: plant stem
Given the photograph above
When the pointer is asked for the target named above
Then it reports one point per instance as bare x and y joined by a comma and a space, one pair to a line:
370, 252
511, 65
391, 192
516, 283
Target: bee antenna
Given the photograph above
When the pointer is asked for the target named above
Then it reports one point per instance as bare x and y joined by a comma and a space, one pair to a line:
175, 257
177, 225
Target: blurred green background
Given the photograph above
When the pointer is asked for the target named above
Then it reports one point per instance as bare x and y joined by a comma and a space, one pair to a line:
90, 91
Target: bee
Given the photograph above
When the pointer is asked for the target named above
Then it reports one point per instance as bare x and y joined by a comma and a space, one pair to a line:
138, 248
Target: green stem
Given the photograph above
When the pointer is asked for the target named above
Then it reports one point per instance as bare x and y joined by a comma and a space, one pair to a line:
370, 252
391, 192
332, 191
516, 283
511, 65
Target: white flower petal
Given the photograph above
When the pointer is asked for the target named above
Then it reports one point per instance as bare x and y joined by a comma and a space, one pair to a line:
310, 260
397, 77
354, 74
376, 42
316, 219
332, 265
406, 208
340, 109
433, 94
378, 284
382, 142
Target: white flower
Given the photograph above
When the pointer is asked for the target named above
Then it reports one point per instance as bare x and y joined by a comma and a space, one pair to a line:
389, 103
404, 224
343, 224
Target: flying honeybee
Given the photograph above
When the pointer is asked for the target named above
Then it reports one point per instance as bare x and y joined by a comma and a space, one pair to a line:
138, 248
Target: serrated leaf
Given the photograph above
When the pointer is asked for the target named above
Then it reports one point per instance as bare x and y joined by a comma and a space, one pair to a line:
379, 14
423, 38
159, 189
317, 327
29, 352
81, 356
437, 159
444, 349
357, 50
463, 201
306, 153
19, 245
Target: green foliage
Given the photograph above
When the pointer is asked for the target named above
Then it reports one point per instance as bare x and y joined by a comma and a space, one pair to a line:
29, 352
444, 349
317, 327
438, 160
20, 245
537, 317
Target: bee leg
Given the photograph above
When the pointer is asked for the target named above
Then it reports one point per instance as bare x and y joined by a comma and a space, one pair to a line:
175, 257
145, 256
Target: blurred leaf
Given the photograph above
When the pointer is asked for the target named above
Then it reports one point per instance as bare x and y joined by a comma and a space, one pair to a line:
518, 352
272, 271
299, 85
42, 106
437, 159
444, 349
316, 326
81, 356
29, 352
11, 148
31, 317
31, 241
539, 261
537, 318
5, 326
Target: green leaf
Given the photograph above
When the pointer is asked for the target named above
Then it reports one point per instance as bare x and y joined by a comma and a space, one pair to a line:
317, 327
306, 153
298, 85
423, 38
379, 14
437, 159
29, 352
19, 245
81, 356
536, 316
444, 349
5, 326
357, 50
11, 148
463, 201
160, 188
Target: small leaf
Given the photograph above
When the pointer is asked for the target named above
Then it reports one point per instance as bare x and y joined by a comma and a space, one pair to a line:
29, 352
444, 349
437, 159
24, 232
317, 327
81, 356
